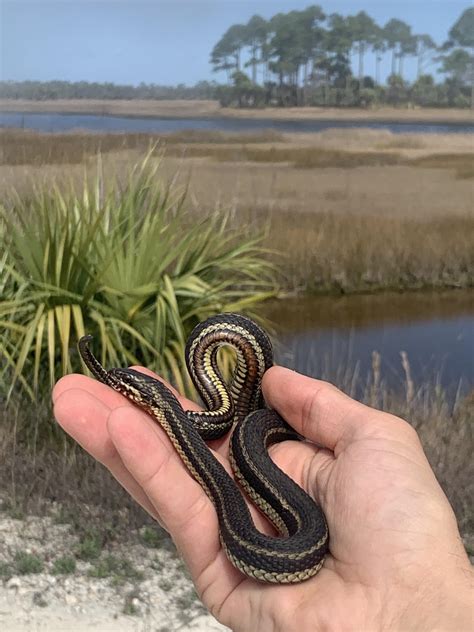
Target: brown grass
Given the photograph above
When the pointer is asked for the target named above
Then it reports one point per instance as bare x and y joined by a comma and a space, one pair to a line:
300, 157
344, 219
352, 253
462, 164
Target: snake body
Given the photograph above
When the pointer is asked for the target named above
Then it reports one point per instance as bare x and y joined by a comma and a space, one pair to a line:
298, 552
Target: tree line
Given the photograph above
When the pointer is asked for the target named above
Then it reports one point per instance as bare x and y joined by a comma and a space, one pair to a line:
46, 90
304, 58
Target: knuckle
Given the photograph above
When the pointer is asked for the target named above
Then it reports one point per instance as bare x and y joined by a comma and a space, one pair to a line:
316, 404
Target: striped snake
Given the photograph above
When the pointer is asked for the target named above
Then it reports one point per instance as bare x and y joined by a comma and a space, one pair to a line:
298, 552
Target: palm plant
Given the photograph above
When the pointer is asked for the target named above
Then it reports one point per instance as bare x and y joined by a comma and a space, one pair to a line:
125, 263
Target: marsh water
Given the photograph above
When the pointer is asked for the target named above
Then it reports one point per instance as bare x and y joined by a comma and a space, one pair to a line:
56, 122
335, 337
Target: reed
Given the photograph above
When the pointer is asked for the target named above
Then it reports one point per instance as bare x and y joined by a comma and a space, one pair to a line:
342, 253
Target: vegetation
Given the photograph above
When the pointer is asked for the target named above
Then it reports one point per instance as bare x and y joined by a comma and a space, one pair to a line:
27, 563
351, 210
345, 254
303, 58
120, 569
328, 236
65, 565
45, 90
122, 261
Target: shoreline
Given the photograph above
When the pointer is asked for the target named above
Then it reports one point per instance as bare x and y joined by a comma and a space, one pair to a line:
179, 109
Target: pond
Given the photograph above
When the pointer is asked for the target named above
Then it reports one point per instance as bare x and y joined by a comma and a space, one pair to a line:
52, 122
335, 337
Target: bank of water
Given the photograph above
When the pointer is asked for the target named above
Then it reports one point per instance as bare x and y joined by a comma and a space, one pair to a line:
62, 122
335, 338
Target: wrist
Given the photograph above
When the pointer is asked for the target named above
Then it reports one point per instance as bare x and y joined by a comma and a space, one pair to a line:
441, 606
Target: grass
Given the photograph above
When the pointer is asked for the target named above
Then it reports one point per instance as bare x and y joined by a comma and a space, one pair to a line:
25, 147
27, 563
347, 214
118, 568
65, 565
299, 157
153, 538
327, 252
462, 164
6, 571
90, 547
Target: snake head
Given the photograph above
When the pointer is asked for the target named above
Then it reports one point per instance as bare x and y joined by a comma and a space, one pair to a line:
140, 388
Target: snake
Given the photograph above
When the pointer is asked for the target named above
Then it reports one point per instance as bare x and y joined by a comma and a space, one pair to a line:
297, 549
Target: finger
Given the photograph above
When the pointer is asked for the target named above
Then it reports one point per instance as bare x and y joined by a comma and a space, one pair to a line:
84, 417
95, 388
303, 462
316, 409
184, 508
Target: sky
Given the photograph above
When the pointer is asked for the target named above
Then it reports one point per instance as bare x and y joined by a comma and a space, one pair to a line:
167, 41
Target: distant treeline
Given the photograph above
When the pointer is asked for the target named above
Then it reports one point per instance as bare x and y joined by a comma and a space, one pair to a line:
46, 90
304, 58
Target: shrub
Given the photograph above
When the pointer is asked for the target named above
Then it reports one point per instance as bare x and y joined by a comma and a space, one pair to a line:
122, 261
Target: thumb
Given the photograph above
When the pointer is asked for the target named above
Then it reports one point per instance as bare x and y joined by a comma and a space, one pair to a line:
314, 408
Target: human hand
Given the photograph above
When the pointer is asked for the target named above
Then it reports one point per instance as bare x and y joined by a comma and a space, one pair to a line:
396, 559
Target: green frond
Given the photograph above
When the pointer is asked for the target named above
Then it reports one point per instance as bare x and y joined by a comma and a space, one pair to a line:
123, 261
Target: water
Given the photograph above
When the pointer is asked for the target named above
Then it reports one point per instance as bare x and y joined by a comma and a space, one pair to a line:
334, 338
48, 122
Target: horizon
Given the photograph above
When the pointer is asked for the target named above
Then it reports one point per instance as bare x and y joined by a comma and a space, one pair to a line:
44, 40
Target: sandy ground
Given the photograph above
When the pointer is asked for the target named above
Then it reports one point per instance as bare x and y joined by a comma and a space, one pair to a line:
184, 108
160, 599
18, 617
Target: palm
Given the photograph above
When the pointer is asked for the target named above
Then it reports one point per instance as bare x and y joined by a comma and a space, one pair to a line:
363, 516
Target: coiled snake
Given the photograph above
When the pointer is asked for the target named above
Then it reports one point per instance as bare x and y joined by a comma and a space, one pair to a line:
298, 553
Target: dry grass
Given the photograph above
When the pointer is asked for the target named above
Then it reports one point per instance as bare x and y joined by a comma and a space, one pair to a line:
33, 474
462, 164
329, 252
176, 108
346, 215
299, 157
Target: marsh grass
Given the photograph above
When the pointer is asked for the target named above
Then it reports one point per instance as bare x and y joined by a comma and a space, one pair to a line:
373, 224
320, 158
462, 164
402, 141
25, 147
298, 157
327, 252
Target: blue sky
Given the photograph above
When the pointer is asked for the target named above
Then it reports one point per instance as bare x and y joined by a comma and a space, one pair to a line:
165, 41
